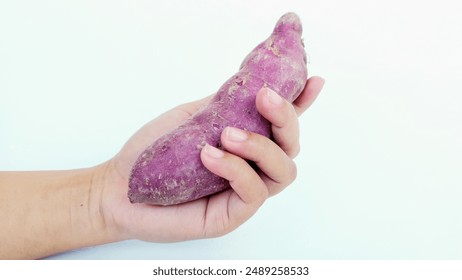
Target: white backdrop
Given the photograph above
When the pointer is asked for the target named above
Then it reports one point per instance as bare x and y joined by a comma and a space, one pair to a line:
380, 168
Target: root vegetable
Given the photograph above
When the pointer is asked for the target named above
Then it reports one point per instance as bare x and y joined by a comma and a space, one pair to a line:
170, 170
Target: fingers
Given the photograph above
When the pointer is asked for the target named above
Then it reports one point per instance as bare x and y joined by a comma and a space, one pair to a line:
275, 169
242, 178
250, 188
283, 118
274, 159
309, 94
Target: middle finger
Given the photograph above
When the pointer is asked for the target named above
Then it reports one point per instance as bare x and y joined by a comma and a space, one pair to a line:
277, 169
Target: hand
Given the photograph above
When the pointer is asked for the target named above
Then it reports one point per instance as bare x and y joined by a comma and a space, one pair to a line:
220, 213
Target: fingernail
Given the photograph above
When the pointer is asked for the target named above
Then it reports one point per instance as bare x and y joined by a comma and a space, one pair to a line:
236, 135
273, 97
213, 152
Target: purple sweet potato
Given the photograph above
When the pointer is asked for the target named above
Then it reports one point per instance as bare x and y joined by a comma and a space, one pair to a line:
170, 171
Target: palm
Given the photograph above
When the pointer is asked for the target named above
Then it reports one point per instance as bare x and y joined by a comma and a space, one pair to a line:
173, 223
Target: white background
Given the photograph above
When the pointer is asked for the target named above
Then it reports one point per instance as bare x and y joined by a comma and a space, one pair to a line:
380, 168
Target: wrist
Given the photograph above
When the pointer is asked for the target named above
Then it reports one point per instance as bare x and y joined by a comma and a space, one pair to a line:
82, 196
109, 189
98, 215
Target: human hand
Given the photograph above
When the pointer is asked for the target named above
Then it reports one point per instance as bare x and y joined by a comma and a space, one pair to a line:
220, 213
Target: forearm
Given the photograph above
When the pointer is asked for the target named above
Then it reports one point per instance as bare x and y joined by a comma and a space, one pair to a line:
48, 212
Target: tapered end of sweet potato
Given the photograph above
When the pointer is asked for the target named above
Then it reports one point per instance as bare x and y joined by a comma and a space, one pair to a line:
281, 60
289, 22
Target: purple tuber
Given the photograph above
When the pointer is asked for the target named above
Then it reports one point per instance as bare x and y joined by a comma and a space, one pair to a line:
170, 170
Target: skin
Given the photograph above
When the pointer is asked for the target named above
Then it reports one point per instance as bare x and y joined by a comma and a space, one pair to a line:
48, 212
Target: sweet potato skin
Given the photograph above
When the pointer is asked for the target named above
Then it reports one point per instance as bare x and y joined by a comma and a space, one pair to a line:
170, 170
